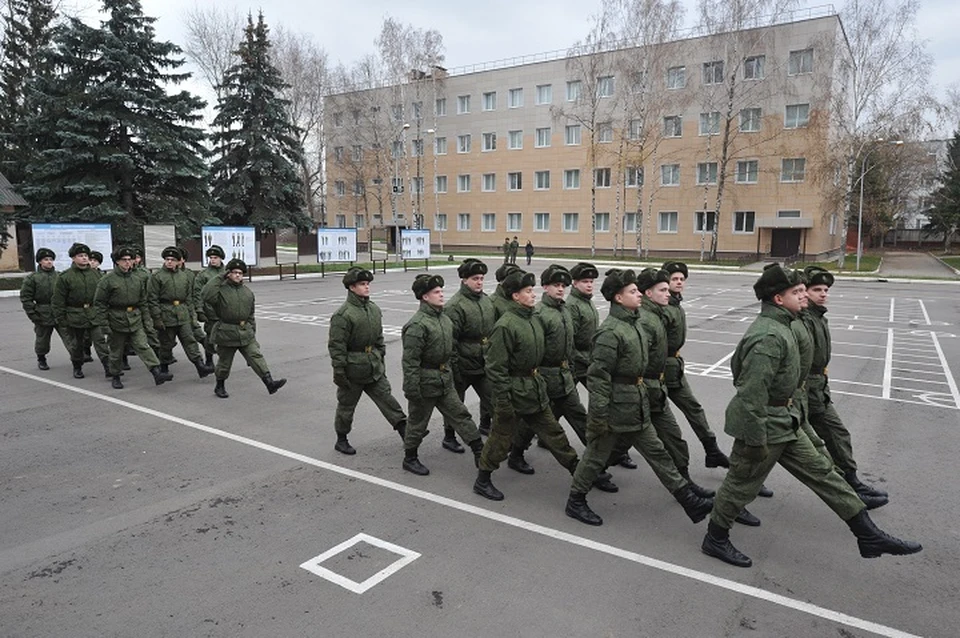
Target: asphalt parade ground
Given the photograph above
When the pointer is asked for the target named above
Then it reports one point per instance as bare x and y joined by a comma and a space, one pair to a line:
164, 511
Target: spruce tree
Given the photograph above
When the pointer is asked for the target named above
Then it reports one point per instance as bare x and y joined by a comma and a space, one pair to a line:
945, 211
255, 180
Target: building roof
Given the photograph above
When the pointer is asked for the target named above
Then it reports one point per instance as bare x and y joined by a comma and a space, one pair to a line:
8, 196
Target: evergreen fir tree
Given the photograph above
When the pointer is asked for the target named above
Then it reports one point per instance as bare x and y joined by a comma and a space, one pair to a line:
945, 211
255, 180
116, 147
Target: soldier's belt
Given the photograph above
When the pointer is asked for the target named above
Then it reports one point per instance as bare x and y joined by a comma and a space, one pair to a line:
480, 340
535, 372
675, 354
79, 305
780, 403
818, 371
127, 308
655, 377
173, 302
239, 323
367, 349
628, 380
438, 366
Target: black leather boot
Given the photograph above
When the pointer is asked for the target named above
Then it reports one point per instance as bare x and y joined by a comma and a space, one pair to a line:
401, 429
42, 362
77, 370
765, 492
165, 368
159, 376
873, 542
604, 483
412, 464
748, 519
863, 489
484, 487
124, 363
450, 441
106, 368
717, 543
87, 358
702, 492
695, 506
577, 508
202, 369
517, 463
714, 458
627, 462
221, 390
273, 386
484, 429
343, 445
476, 446
208, 360
116, 383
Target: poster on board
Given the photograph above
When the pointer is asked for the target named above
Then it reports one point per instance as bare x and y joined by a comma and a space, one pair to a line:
336, 244
59, 238
156, 237
238, 242
414, 244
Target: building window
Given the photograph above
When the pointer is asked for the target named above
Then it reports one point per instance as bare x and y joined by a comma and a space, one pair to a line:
800, 62
796, 116
440, 183
416, 148
743, 221
355, 114
605, 86
463, 183
360, 221
788, 214
638, 81
514, 222
543, 137
357, 153
707, 173
629, 222
793, 169
572, 134
489, 141
515, 98
672, 126
605, 132
514, 140
396, 149
710, 123
488, 222
490, 101
463, 104
340, 188
489, 182
670, 175
571, 178
541, 180
340, 221
440, 146
633, 176
440, 107
713, 72
463, 221
417, 108
602, 177
635, 129
463, 143
416, 185
541, 222
753, 67
397, 111
571, 222
338, 153
358, 187
440, 222
544, 94
704, 221
515, 181
667, 222
337, 120
676, 77
397, 184
747, 171
749, 120
574, 90
601, 222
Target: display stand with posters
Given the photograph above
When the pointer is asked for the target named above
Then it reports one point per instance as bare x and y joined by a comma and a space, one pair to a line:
238, 242
156, 237
336, 245
414, 246
59, 238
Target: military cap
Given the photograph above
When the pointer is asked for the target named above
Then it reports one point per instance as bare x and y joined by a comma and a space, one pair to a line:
650, 277
424, 283
676, 266
584, 270
43, 253
124, 251
355, 275
518, 280
216, 251
470, 267
170, 251
96, 254
616, 280
184, 253
137, 251
817, 276
505, 270
78, 249
237, 264
555, 274
774, 280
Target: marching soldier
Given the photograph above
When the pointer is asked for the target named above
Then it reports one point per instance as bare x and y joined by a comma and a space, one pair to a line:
805, 349
121, 302
231, 306
501, 300
140, 270
429, 358
198, 334
73, 308
765, 425
170, 299
514, 247
473, 316
619, 407
36, 295
214, 269
357, 352
96, 260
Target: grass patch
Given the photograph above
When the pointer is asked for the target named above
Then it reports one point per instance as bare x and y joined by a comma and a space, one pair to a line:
11, 283
868, 264
952, 260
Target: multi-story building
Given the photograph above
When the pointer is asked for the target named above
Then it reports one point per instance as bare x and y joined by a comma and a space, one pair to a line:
613, 150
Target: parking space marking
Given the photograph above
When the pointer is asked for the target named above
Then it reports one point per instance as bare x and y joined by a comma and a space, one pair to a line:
407, 556
923, 308
719, 363
888, 360
951, 383
512, 521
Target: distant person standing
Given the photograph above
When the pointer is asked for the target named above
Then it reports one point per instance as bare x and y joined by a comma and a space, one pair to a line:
36, 295
73, 307
506, 250
528, 249
514, 248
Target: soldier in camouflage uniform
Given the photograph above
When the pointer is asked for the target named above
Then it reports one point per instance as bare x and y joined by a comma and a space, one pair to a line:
501, 300
195, 326
357, 352
214, 269
73, 308
140, 270
36, 295
429, 359
765, 424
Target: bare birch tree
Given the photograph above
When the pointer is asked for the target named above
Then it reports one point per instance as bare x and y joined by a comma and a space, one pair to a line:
213, 34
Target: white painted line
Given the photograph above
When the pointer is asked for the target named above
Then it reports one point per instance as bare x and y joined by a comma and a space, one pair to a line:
914, 371
892, 303
888, 360
549, 532
946, 369
937, 365
407, 556
923, 308
915, 380
719, 363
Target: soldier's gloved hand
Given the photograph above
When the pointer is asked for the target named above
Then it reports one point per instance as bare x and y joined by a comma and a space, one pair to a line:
340, 379
755, 453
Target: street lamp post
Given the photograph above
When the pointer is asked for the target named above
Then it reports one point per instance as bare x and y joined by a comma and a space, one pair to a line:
863, 174
436, 194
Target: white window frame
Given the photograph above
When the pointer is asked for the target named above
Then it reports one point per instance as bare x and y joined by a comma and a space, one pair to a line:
463, 104
357, 153
489, 102
573, 135
538, 226
741, 218
514, 227
602, 177
674, 172
464, 143
416, 148
713, 72
570, 222
440, 184
340, 188
360, 221
440, 222
574, 90
541, 180
800, 62
793, 170
710, 123
488, 183
633, 176
489, 142
440, 146
542, 137
515, 181
747, 171
463, 183
789, 214
605, 132
544, 94
629, 221
673, 131
515, 98
340, 221
571, 179
601, 222
676, 77
605, 86
416, 185
635, 128
796, 115
753, 67
488, 227
514, 140
440, 107
701, 217
708, 170
746, 117
668, 215
463, 222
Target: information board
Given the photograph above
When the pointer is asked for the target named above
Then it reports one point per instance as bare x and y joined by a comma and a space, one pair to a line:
59, 238
414, 244
155, 239
238, 242
336, 244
